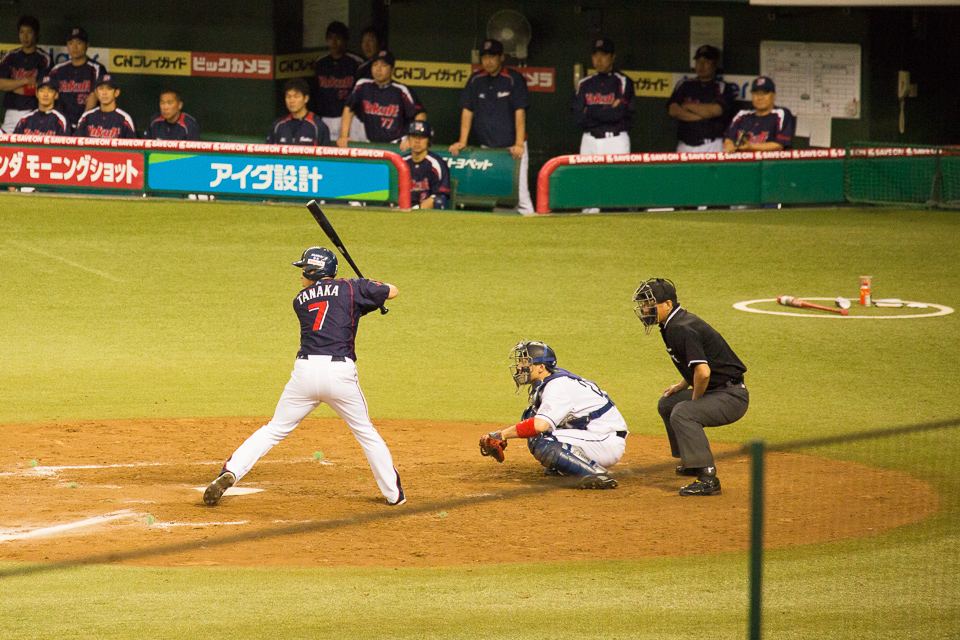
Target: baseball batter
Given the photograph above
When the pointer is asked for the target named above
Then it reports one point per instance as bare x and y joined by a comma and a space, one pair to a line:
329, 310
572, 427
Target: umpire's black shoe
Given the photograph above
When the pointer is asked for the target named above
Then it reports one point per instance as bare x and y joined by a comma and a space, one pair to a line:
693, 472
702, 486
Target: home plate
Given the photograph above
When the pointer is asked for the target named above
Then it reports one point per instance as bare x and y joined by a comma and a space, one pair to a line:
233, 491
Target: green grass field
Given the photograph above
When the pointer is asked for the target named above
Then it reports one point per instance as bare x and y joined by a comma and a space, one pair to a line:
132, 308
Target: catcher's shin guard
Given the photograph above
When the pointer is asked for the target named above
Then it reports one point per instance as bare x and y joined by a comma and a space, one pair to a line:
562, 457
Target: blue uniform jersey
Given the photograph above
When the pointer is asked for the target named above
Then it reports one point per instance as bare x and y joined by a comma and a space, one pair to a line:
106, 124
385, 111
692, 90
777, 126
329, 312
308, 131
593, 109
17, 65
76, 83
335, 80
429, 177
494, 101
183, 128
51, 123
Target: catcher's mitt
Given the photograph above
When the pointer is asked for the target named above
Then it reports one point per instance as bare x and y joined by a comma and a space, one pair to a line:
493, 445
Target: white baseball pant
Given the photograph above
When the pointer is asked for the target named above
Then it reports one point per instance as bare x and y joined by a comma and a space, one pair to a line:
604, 450
619, 144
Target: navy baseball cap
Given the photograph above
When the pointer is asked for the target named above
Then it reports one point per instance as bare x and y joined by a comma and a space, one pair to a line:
764, 85
387, 57
603, 44
491, 48
709, 52
49, 81
420, 128
78, 32
108, 80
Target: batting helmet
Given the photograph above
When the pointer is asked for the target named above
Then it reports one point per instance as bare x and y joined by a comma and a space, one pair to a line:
648, 295
317, 263
527, 353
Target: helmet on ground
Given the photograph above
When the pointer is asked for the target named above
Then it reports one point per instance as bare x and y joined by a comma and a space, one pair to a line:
527, 353
648, 295
317, 263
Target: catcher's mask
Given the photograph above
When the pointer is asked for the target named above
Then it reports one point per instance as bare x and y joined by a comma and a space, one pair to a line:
317, 263
527, 353
648, 295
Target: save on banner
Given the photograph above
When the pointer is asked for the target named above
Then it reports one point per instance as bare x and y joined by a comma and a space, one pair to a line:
268, 176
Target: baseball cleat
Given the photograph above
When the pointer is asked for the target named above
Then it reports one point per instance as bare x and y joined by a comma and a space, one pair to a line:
218, 487
598, 481
703, 486
550, 472
399, 501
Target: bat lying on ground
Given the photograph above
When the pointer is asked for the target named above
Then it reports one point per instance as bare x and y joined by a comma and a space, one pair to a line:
328, 229
790, 301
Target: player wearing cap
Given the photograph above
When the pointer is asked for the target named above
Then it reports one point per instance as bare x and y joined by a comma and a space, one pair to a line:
494, 105
712, 392
301, 126
172, 123
702, 105
44, 120
20, 70
429, 173
77, 77
766, 127
336, 74
604, 104
385, 107
329, 310
106, 121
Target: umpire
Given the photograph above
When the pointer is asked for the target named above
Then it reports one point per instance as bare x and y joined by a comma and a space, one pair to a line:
709, 365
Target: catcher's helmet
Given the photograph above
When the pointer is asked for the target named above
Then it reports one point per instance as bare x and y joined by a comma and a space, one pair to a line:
317, 263
527, 353
648, 295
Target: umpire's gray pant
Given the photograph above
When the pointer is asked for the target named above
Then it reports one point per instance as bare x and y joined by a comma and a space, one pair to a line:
686, 418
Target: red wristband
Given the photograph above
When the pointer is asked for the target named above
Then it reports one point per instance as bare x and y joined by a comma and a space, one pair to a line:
526, 429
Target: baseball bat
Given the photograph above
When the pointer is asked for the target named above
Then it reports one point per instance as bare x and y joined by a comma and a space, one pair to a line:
328, 229
790, 301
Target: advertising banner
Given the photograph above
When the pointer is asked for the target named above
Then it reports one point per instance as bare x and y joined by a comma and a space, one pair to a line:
233, 65
150, 62
72, 167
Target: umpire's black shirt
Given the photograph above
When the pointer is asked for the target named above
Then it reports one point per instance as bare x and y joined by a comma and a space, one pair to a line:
691, 341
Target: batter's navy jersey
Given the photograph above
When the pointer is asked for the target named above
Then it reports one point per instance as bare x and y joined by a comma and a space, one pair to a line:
51, 123
429, 177
691, 341
17, 65
494, 101
106, 124
307, 131
76, 83
385, 111
593, 109
777, 126
335, 80
692, 90
183, 128
329, 312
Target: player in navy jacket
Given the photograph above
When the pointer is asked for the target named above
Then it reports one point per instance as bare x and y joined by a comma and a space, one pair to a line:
106, 121
429, 173
604, 104
77, 78
172, 123
763, 128
301, 126
45, 120
702, 105
20, 70
385, 107
335, 73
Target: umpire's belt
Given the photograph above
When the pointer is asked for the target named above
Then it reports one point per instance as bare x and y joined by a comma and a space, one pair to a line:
332, 358
733, 382
583, 421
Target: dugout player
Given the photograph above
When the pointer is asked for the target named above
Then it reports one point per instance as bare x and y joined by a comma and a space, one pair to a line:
429, 173
172, 123
494, 104
106, 121
766, 127
20, 70
385, 107
335, 75
712, 392
604, 104
571, 426
77, 77
301, 126
44, 120
702, 105
370, 43
329, 310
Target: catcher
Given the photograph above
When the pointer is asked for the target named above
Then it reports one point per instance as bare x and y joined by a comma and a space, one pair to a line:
572, 428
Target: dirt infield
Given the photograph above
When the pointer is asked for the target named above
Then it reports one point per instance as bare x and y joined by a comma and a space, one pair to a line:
130, 487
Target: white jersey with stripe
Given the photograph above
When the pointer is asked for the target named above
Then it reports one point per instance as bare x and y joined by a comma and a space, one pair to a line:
564, 398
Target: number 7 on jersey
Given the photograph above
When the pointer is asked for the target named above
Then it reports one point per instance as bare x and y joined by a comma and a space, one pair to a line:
321, 309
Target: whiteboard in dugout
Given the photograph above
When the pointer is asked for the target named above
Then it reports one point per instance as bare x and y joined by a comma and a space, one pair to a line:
813, 78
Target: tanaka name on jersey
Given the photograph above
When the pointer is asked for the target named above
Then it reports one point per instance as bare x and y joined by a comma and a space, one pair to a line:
318, 291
